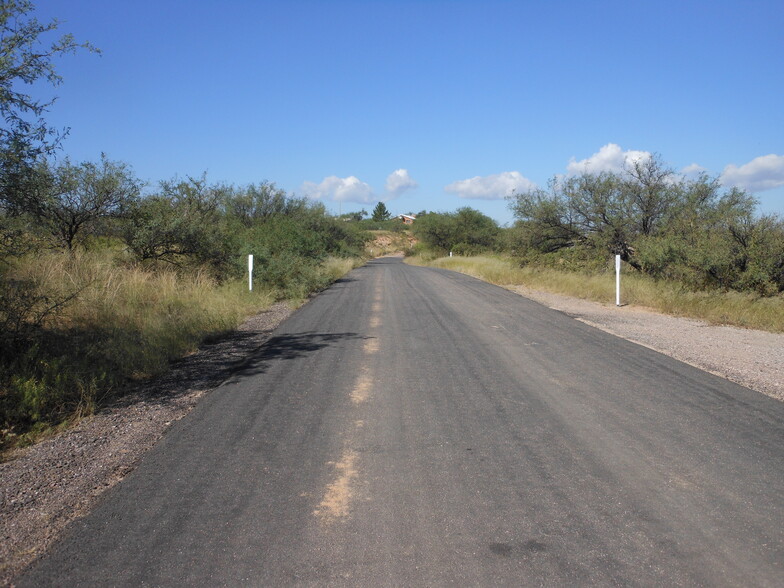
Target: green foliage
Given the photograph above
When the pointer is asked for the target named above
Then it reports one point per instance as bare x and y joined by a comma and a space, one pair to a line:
182, 225
354, 216
289, 249
380, 212
392, 224
465, 232
292, 276
147, 280
25, 60
261, 202
662, 225
193, 223
73, 200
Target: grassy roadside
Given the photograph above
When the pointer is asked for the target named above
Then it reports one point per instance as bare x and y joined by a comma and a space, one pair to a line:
123, 323
726, 308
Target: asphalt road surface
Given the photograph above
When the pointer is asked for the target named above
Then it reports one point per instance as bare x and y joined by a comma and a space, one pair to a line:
417, 427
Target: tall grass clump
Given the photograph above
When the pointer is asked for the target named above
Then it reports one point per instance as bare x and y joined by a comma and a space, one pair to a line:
335, 268
719, 307
111, 323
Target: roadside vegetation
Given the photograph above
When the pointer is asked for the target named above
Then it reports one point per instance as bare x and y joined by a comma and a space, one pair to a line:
464, 232
716, 306
141, 284
689, 246
104, 280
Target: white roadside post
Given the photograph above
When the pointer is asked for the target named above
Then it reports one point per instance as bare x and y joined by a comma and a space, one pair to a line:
250, 272
617, 280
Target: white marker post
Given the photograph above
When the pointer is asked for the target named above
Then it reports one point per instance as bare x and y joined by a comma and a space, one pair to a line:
250, 272
617, 280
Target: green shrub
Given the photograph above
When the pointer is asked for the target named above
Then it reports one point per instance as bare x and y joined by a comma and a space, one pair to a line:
691, 231
466, 231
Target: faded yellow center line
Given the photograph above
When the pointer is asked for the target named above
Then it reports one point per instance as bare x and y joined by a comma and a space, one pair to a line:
335, 504
361, 390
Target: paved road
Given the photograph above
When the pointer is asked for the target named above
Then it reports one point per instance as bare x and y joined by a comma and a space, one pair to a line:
416, 427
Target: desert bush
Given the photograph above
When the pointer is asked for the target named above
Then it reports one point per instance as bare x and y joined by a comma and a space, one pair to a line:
392, 224
182, 225
665, 226
260, 202
73, 199
466, 231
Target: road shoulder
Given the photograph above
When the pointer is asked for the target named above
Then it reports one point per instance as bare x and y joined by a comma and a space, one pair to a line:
745, 356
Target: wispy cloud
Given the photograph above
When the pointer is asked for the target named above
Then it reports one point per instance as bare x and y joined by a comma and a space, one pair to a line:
493, 187
399, 181
761, 173
610, 158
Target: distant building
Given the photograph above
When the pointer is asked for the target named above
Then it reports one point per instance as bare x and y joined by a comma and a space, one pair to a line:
408, 219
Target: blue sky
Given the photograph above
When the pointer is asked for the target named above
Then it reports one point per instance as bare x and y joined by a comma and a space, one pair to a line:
424, 104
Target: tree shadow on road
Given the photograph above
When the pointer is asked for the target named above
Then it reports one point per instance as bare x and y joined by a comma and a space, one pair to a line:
290, 346
237, 356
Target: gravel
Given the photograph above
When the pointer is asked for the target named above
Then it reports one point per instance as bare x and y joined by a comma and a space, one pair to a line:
46, 486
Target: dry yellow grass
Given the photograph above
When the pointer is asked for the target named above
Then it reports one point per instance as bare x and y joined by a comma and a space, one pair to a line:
729, 308
337, 267
147, 317
123, 321
143, 318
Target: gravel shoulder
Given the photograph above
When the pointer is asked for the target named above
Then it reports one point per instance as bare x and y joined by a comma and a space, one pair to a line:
48, 485
45, 487
754, 359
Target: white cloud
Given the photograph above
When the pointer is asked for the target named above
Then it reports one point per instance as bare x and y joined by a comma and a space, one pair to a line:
761, 173
610, 158
349, 189
398, 182
693, 171
492, 187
